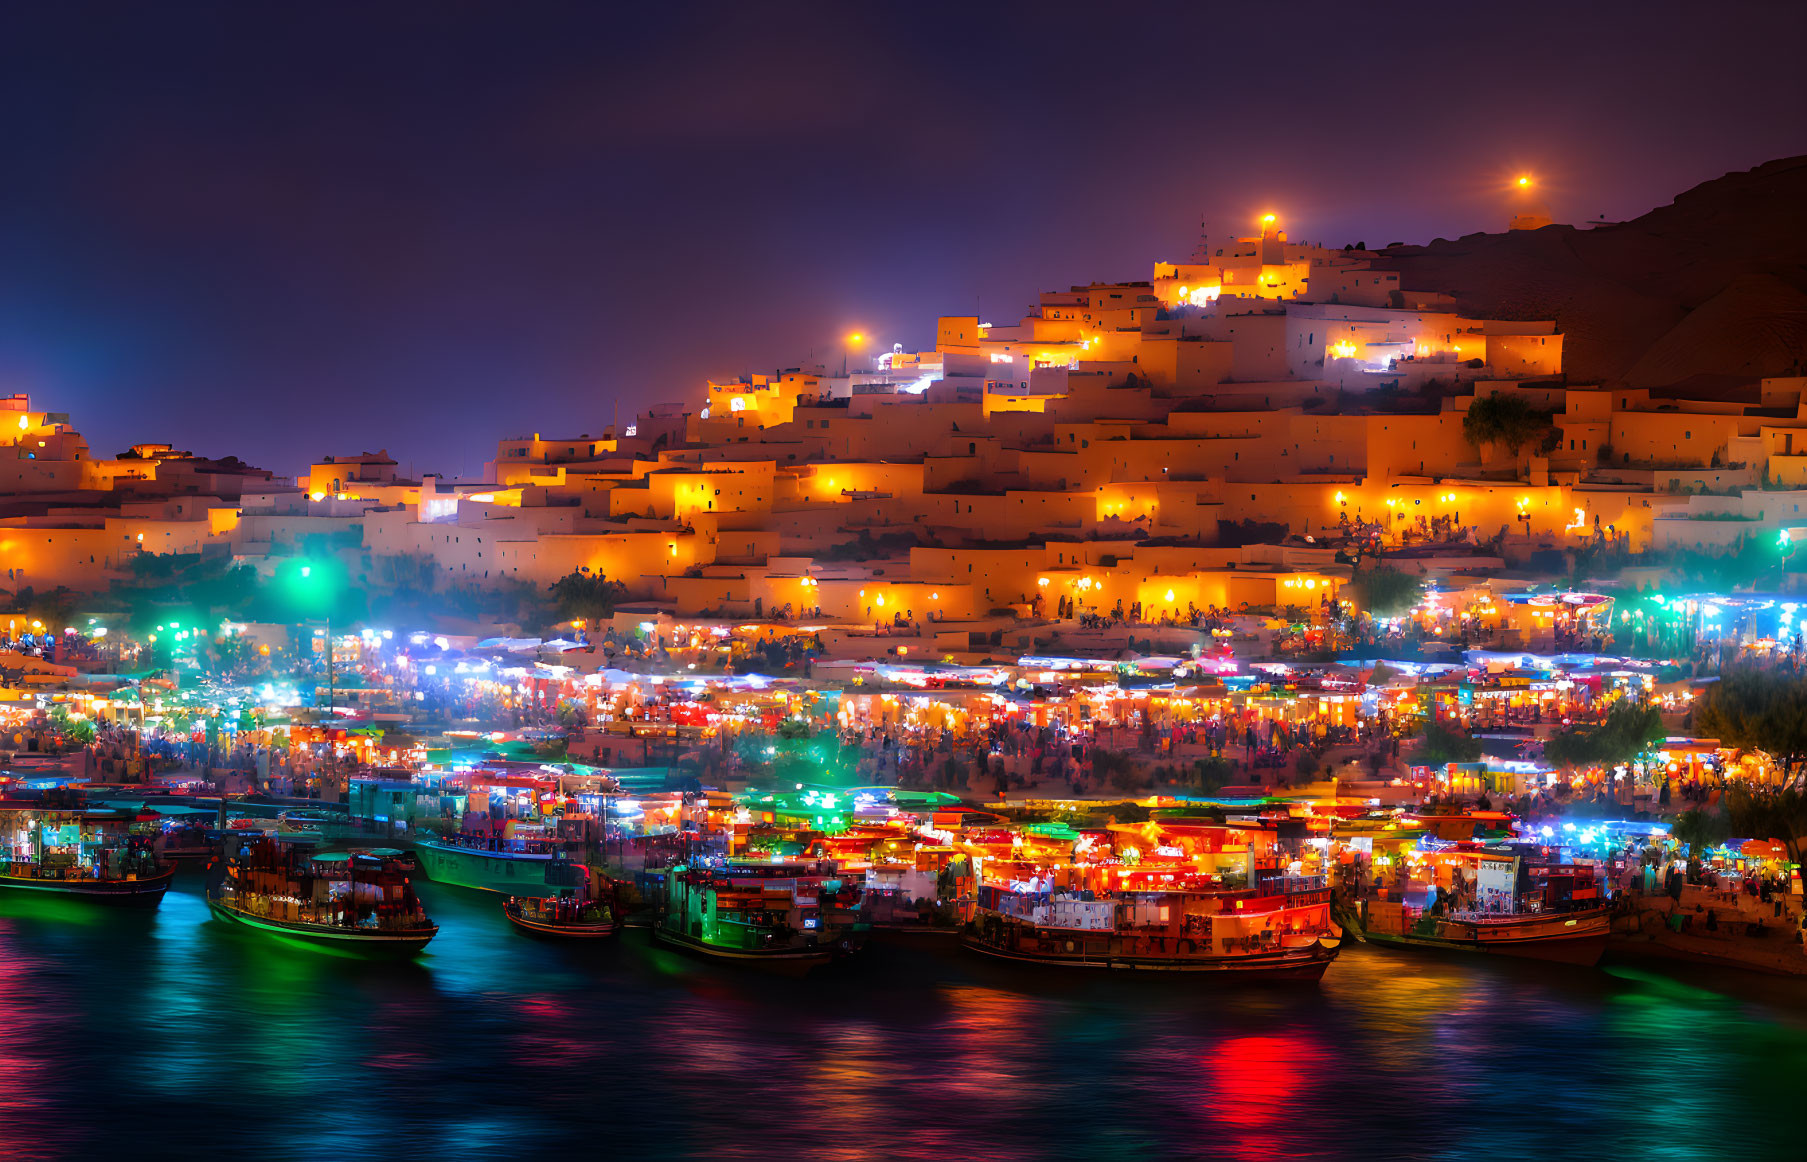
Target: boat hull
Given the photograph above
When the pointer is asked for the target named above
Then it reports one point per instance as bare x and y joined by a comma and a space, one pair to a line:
1294, 964
361, 941
573, 931
1576, 939
783, 961
488, 871
144, 892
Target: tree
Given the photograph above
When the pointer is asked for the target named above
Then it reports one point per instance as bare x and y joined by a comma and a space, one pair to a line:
586, 596
1383, 591
1504, 420
1628, 731
55, 608
1441, 745
77, 730
1758, 710
1769, 813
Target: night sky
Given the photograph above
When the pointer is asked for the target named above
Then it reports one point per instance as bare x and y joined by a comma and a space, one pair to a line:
285, 234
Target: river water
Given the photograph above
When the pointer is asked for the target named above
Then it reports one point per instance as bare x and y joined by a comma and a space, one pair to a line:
169, 1034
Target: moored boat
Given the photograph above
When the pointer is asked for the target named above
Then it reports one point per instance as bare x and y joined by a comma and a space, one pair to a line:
104, 855
130, 888
513, 866
790, 918
1577, 937
564, 917
1183, 928
1509, 898
582, 912
356, 901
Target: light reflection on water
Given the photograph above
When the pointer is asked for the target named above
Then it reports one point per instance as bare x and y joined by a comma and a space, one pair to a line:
191, 1034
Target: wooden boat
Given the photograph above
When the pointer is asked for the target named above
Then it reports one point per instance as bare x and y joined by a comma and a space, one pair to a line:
577, 913
1510, 898
102, 854
564, 918
354, 901
789, 918
1576, 937
131, 888
1231, 933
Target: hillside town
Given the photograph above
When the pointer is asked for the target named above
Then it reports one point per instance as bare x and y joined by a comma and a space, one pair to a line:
826, 581
1275, 535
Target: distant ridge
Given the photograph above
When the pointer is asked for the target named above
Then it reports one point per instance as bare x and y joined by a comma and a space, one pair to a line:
1715, 282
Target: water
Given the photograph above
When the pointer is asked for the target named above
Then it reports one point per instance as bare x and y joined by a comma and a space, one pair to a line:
170, 1034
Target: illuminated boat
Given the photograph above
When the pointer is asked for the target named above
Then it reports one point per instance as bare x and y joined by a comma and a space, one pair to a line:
1280, 932
579, 913
564, 917
1577, 937
782, 917
515, 866
140, 890
103, 855
1512, 899
357, 901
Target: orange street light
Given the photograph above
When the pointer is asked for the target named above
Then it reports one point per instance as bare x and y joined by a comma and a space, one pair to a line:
1524, 181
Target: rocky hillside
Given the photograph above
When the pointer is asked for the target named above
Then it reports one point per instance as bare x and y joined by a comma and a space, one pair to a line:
1713, 284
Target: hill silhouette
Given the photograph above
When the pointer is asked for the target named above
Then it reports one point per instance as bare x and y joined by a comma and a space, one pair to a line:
1714, 283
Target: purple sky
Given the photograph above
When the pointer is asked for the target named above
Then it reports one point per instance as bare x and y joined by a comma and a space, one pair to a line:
288, 234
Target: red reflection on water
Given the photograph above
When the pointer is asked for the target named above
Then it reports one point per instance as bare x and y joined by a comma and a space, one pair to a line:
1253, 1088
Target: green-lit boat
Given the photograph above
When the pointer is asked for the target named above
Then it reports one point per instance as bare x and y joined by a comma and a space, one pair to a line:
358, 901
514, 867
788, 918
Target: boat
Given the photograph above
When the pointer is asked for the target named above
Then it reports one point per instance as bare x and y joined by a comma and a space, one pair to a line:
1568, 938
1509, 898
581, 913
105, 855
187, 842
784, 917
514, 865
1280, 931
356, 901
